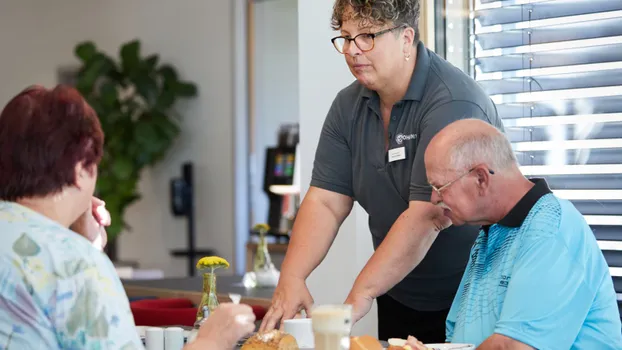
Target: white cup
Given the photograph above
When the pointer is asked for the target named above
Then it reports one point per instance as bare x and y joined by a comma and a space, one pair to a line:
302, 330
154, 338
173, 338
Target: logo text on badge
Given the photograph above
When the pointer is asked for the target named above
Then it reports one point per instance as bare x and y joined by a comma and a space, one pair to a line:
400, 138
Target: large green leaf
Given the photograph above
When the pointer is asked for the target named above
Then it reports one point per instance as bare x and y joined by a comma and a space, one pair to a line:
98, 66
150, 63
85, 51
130, 57
109, 94
169, 74
166, 100
166, 125
186, 89
146, 87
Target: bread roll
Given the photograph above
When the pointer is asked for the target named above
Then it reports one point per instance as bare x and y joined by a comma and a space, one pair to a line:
365, 342
272, 340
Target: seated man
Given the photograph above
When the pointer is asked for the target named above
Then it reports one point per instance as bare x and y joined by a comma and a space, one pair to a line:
536, 277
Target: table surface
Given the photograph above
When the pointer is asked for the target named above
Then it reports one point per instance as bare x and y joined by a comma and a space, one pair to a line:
224, 285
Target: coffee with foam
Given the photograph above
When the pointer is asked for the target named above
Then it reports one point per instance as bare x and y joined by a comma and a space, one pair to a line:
331, 326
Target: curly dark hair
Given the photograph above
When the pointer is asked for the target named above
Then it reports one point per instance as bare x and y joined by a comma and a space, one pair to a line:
378, 12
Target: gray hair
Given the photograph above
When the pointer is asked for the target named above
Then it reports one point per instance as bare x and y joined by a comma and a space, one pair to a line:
378, 12
472, 149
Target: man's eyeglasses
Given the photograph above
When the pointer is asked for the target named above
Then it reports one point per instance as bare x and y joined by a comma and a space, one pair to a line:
438, 190
364, 41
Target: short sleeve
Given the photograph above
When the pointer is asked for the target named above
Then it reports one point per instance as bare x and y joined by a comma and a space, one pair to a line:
332, 167
547, 298
431, 124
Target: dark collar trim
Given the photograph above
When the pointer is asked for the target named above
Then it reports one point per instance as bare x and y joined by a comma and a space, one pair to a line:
517, 215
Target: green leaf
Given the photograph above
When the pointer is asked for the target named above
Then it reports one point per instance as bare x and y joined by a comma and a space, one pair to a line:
186, 89
108, 94
146, 87
166, 125
122, 168
166, 100
169, 74
150, 63
100, 65
85, 51
130, 59
146, 133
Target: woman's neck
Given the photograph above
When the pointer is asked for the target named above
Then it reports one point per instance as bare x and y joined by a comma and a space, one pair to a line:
395, 89
50, 207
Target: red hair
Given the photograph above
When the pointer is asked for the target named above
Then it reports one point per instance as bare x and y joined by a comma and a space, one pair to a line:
44, 134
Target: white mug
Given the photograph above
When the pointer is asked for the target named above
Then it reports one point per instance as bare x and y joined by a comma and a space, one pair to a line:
302, 330
154, 338
173, 338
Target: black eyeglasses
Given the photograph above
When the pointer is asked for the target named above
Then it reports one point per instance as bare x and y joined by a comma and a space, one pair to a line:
364, 41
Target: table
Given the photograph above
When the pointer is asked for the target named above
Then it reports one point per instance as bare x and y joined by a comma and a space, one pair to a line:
191, 288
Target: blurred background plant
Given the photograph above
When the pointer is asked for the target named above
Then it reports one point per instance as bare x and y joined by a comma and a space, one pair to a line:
134, 98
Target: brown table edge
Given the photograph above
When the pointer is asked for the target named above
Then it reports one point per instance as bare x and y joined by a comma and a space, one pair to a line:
195, 297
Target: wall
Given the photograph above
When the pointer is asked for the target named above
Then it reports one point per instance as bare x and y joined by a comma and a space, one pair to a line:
322, 73
196, 36
275, 86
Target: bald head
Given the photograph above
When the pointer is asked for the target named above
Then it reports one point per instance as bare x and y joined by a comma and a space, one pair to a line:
467, 143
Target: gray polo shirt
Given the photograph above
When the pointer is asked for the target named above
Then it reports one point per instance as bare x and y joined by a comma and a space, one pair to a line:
350, 159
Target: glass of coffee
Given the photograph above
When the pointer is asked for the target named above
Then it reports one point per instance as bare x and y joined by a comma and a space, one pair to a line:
332, 325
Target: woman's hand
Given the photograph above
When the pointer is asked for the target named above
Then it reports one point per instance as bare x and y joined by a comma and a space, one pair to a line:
224, 327
91, 223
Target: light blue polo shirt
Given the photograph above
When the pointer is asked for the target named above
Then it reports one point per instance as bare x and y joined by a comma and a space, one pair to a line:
538, 276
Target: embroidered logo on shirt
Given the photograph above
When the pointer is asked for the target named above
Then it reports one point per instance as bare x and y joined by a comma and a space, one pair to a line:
400, 138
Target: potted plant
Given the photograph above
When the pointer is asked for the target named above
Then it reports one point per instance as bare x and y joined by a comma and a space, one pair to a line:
134, 98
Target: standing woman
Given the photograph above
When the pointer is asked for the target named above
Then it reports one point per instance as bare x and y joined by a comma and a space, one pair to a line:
371, 150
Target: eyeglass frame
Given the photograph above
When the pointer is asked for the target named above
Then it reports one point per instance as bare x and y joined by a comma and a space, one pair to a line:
372, 35
438, 190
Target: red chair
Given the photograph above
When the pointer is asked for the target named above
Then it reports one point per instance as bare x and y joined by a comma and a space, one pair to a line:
172, 311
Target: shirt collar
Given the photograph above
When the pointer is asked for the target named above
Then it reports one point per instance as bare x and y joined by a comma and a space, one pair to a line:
418, 80
517, 215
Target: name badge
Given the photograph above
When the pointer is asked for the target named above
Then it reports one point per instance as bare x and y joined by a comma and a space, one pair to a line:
397, 154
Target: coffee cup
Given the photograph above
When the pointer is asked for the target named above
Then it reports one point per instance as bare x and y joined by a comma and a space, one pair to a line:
301, 329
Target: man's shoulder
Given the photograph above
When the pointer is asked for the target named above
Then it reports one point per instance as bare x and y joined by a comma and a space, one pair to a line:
544, 218
557, 218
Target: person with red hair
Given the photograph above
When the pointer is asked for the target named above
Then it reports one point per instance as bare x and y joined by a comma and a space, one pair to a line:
58, 289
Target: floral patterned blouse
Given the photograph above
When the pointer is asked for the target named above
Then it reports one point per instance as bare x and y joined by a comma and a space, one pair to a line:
57, 291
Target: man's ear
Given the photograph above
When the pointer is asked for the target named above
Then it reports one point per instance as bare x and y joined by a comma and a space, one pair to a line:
482, 175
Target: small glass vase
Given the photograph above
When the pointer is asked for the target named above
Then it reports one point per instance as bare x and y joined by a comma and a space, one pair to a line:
262, 260
265, 274
209, 297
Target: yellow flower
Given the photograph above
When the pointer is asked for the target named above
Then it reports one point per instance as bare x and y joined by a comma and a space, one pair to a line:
212, 262
261, 228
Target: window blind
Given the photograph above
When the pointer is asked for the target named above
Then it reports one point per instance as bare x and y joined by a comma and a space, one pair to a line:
554, 70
